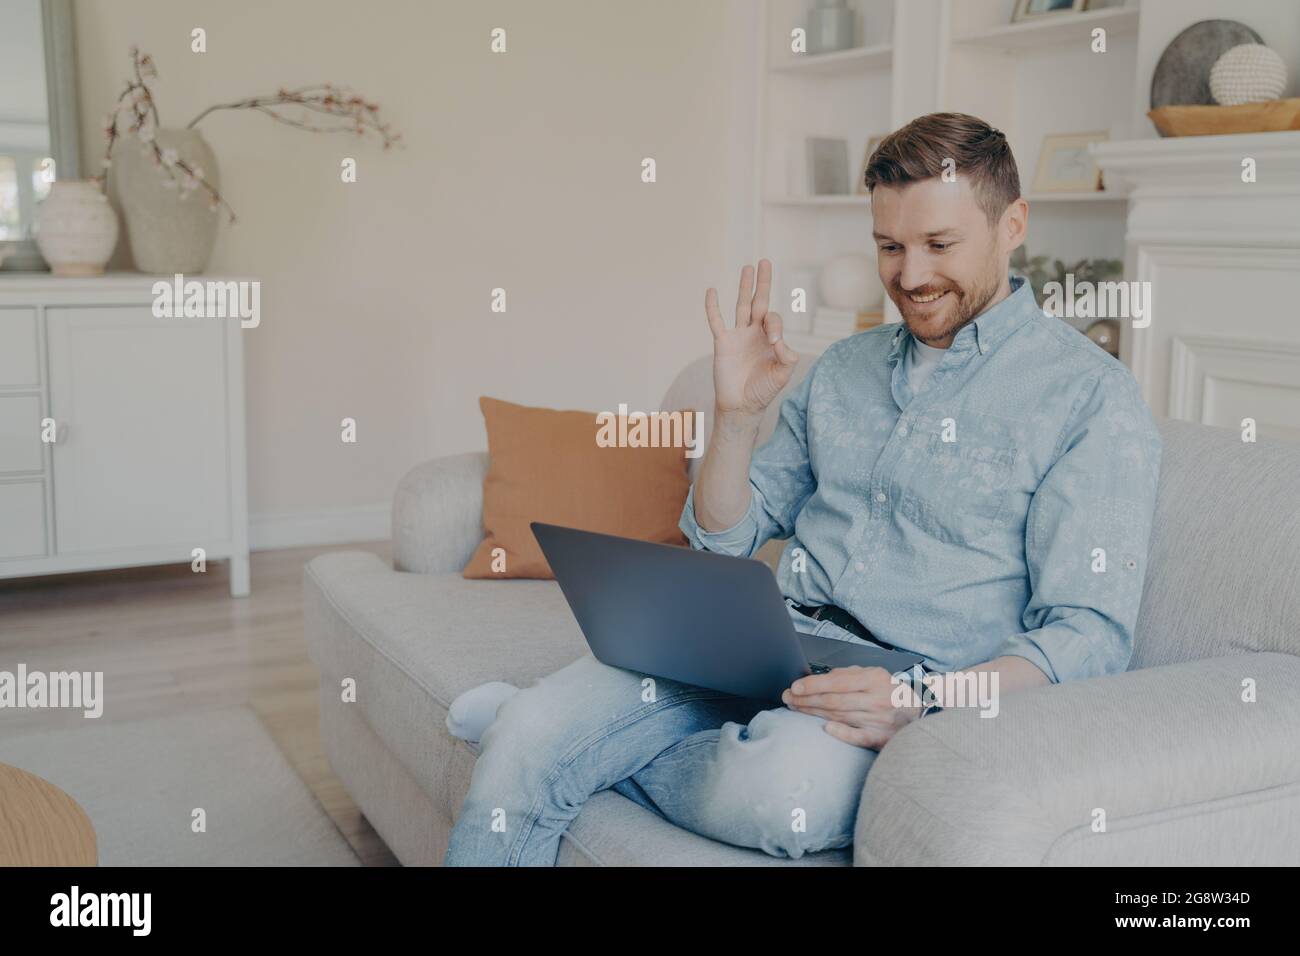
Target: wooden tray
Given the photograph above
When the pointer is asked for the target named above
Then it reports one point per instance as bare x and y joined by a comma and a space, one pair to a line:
1267, 117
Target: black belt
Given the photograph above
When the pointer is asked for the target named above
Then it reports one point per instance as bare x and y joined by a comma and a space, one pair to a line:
841, 618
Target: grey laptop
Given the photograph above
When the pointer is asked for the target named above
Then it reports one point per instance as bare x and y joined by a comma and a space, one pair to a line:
692, 616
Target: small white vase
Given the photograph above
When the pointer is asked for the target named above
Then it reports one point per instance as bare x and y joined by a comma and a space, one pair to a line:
830, 27
75, 228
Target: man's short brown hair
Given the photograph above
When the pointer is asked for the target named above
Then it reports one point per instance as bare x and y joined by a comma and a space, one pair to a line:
918, 150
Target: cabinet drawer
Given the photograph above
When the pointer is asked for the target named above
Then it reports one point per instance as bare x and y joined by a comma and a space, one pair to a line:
19, 355
22, 519
20, 433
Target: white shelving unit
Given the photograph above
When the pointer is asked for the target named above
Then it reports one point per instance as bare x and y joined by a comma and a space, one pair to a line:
1028, 79
819, 201
840, 62
1103, 196
847, 94
1062, 29
1042, 77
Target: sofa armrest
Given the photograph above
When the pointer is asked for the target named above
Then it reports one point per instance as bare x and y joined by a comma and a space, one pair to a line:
1185, 770
438, 514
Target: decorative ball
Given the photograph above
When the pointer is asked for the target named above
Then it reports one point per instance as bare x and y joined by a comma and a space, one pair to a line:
1249, 73
851, 282
1105, 332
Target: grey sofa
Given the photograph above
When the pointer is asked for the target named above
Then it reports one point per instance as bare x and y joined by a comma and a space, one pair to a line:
1185, 770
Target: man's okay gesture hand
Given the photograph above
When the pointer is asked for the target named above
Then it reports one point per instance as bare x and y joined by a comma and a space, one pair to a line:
751, 362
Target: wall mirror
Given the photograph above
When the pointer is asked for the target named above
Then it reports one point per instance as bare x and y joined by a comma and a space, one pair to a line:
38, 119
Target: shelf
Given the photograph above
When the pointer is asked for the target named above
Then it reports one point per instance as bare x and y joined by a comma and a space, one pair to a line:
805, 343
843, 200
1054, 30
842, 61
1101, 196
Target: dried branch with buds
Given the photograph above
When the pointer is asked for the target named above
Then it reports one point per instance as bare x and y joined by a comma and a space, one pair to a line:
348, 112
135, 113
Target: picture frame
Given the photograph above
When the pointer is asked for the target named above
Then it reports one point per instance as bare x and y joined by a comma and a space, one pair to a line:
1036, 9
859, 187
828, 166
1064, 165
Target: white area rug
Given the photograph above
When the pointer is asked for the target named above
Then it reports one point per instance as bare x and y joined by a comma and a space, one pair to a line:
140, 782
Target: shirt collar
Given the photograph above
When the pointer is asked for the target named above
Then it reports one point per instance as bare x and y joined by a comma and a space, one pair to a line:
989, 329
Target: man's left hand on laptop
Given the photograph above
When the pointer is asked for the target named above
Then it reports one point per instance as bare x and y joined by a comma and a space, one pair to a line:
858, 704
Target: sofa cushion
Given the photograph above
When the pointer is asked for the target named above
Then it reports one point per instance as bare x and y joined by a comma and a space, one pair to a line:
1223, 575
413, 642
611, 830
560, 467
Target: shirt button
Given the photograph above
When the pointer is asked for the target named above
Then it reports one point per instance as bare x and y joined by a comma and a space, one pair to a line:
902, 431
880, 496
860, 566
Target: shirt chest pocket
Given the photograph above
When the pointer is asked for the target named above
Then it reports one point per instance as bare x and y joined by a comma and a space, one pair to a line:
959, 490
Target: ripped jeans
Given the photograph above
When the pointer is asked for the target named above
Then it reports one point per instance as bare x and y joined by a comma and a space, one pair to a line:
727, 768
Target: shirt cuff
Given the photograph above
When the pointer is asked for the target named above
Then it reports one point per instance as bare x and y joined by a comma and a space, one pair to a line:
736, 540
1023, 645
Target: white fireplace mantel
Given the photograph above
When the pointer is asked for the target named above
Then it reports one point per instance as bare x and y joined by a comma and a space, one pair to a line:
1190, 189
1222, 257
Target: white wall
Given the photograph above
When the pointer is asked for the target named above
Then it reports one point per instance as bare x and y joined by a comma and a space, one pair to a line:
520, 170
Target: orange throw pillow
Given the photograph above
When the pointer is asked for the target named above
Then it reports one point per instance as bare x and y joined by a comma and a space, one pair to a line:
545, 465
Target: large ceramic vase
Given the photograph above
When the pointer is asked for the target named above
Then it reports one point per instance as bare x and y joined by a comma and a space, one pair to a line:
76, 229
168, 234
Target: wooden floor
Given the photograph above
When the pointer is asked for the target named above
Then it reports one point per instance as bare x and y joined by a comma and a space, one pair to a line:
171, 641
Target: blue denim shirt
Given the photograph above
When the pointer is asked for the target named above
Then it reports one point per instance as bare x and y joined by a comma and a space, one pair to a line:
1005, 510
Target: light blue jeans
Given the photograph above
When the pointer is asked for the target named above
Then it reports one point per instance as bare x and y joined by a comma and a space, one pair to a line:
721, 766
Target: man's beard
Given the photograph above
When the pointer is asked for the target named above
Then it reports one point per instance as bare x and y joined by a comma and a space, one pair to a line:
969, 304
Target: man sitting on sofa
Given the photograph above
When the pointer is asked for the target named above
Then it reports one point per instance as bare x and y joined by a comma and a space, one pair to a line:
975, 485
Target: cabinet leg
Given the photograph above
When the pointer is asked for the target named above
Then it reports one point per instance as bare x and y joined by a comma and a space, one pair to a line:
239, 575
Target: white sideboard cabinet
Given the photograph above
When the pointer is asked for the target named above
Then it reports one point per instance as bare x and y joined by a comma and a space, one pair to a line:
147, 461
